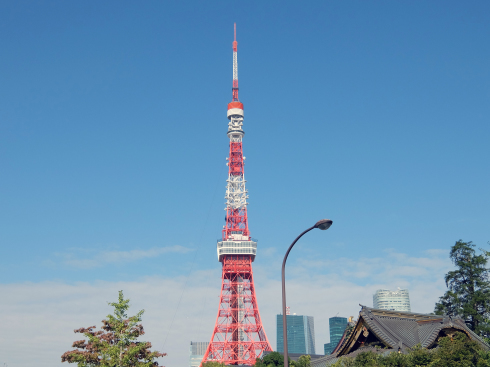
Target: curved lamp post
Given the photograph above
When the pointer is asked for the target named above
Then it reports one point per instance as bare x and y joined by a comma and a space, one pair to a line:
323, 225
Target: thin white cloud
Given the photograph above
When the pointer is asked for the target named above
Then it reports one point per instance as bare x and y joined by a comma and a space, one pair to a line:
76, 259
394, 265
41, 317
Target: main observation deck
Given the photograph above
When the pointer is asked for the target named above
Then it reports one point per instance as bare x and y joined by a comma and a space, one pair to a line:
237, 245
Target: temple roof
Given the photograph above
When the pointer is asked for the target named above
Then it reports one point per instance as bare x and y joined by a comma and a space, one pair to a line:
385, 330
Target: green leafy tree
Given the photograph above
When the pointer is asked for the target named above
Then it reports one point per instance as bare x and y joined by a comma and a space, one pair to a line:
458, 351
213, 364
116, 344
274, 359
419, 356
468, 293
452, 351
303, 361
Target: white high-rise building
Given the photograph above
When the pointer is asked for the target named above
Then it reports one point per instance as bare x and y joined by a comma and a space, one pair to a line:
197, 351
398, 300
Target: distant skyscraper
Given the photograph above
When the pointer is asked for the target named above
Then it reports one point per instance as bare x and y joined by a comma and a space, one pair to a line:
197, 351
337, 327
301, 334
385, 299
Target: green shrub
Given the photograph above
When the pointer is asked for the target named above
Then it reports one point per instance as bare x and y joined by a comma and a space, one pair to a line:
455, 351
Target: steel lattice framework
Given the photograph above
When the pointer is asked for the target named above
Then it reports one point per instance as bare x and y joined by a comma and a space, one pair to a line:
238, 336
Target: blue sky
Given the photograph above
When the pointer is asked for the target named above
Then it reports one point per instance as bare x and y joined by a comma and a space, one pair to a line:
113, 145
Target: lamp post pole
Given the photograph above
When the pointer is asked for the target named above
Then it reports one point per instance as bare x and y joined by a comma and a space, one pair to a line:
323, 225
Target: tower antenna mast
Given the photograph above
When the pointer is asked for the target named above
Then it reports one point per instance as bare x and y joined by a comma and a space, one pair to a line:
235, 69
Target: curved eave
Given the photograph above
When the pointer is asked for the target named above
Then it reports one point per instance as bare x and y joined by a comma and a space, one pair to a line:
368, 318
340, 343
478, 339
380, 332
458, 324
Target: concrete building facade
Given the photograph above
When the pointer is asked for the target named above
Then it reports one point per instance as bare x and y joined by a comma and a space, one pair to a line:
196, 351
398, 300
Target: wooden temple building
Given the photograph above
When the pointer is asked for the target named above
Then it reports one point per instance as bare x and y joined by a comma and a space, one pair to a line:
384, 331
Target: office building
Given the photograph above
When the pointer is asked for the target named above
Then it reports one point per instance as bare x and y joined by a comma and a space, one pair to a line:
398, 300
197, 350
337, 327
301, 334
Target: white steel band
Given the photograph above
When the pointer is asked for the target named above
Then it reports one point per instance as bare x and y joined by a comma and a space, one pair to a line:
235, 66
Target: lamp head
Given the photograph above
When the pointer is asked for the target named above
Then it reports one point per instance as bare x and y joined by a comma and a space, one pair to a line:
323, 224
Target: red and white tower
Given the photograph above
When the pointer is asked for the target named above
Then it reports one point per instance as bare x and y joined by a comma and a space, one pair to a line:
238, 335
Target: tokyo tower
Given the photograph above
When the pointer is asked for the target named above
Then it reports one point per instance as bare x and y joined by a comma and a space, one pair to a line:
238, 335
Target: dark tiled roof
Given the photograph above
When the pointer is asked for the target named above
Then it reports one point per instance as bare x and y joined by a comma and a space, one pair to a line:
324, 361
370, 349
401, 330
395, 331
425, 331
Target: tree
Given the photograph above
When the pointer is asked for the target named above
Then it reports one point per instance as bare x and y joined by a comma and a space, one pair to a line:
276, 359
273, 359
452, 351
213, 364
468, 293
115, 345
457, 351
303, 361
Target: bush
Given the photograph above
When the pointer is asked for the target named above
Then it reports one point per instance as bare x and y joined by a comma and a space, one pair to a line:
455, 351
274, 359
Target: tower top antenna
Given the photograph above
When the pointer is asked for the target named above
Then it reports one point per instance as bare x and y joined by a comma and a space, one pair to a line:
235, 71
235, 43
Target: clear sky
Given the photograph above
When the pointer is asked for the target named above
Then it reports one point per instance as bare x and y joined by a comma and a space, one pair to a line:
113, 145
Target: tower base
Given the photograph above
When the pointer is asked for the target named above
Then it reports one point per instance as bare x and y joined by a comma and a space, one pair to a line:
238, 336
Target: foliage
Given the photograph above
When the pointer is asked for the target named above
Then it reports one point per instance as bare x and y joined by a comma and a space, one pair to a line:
468, 293
455, 351
115, 345
274, 359
213, 364
303, 361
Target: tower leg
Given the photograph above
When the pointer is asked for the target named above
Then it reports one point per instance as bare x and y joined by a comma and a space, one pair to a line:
238, 335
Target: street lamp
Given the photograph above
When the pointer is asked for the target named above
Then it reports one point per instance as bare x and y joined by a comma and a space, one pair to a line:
323, 225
